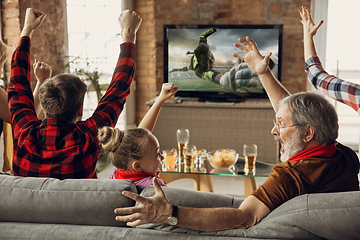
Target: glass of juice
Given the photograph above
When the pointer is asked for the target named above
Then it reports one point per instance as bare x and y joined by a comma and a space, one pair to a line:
170, 159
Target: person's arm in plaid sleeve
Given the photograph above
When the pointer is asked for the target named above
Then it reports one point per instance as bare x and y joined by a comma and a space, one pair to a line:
21, 102
336, 88
111, 104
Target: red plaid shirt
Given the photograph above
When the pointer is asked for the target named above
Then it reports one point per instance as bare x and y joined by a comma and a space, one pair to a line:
54, 147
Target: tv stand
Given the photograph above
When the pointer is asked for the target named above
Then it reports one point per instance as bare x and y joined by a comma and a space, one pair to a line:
215, 125
219, 103
221, 100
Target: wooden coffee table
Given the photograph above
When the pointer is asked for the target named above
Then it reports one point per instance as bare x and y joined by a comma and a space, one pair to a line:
203, 181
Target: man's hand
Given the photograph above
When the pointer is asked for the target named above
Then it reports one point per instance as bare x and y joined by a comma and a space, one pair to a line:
42, 71
260, 66
154, 209
168, 90
130, 22
309, 26
257, 63
33, 19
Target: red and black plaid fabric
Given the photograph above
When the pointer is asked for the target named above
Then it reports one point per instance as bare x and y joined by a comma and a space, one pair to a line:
54, 147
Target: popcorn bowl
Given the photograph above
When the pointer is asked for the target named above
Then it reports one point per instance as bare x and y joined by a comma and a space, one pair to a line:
222, 159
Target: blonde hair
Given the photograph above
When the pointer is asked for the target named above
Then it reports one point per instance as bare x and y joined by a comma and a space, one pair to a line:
124, 146
3, 52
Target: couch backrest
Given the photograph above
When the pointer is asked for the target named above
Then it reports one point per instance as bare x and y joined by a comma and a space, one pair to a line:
70, 201
193, 198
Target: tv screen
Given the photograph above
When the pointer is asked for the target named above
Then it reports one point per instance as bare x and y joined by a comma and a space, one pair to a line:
198, 59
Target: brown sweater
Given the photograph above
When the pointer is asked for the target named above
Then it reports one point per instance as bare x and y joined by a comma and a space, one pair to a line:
311, 175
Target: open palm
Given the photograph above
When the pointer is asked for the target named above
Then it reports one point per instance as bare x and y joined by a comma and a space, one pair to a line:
255, 61
155, 209
307, 22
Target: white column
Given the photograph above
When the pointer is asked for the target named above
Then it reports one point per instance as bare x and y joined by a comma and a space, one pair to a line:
130, 106
319, 11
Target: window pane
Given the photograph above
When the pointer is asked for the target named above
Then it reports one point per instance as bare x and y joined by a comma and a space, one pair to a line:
342, 60
94, 43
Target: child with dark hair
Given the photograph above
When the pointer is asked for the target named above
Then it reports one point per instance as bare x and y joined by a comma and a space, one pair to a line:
60, 146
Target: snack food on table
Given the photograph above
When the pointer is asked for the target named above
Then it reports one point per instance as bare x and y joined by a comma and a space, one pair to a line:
223, 158
201, 153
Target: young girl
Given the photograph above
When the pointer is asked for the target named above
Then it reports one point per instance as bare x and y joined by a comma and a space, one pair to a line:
135, 153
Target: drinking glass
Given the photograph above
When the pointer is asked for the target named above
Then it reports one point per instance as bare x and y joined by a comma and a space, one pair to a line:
250, 153
189, 154
182, 136
170, 159
199, 162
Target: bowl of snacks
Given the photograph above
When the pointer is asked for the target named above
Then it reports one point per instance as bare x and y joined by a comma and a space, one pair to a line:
222, 158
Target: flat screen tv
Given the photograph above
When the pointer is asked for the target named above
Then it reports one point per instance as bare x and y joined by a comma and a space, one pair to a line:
198, 59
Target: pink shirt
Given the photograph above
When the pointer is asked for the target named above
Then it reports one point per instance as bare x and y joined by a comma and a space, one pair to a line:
142, 183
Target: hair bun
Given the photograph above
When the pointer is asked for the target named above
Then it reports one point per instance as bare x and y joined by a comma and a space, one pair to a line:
110, 138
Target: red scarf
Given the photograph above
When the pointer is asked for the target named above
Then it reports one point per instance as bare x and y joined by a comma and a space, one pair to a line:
132, 175
316, 151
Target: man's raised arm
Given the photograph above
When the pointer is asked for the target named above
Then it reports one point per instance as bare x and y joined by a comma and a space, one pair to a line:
33, 19
112, 103
259, 65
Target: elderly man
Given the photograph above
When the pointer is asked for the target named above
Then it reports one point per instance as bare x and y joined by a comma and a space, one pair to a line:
306, 127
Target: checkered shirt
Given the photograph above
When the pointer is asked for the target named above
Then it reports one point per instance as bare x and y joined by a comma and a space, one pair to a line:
54, 147
336, 88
